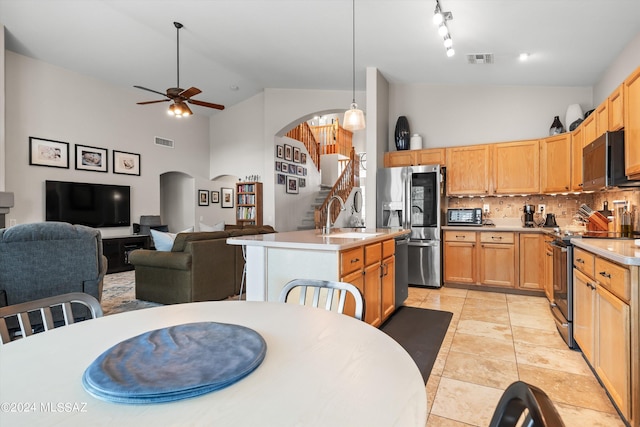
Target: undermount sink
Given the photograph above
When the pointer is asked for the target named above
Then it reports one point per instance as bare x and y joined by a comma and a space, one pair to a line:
352, 235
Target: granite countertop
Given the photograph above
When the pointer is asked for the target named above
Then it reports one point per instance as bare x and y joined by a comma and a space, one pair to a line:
623, 251
339, 239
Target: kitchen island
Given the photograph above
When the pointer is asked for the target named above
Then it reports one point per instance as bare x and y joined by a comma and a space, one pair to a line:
364, 257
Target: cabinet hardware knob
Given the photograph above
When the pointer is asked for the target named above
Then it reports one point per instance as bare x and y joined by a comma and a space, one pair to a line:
496, 237
605, 274
580, 260
355, 260
460, 237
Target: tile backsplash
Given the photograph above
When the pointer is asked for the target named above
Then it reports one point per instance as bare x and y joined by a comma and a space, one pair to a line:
507, 210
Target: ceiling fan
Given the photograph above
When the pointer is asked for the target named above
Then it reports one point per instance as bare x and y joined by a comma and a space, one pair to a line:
179, 96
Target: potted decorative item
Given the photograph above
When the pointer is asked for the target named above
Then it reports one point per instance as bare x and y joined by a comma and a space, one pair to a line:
402, 133
556, 126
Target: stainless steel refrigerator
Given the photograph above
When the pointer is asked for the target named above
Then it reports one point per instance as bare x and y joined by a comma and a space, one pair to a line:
410, 198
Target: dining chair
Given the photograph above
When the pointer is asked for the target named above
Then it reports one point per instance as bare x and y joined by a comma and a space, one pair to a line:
44, 306
331, 287
520, 397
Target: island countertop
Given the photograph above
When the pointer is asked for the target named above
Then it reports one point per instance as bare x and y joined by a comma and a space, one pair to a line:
623, 251
339, 238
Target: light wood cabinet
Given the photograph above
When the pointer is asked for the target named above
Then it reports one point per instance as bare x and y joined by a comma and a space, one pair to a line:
632, 124
577, 144
548, 268
468, 170
616, 109
532, 261
460, 257
497, 259
249, 203
602, 118
555, 155
584, 313
428, 156
589, 129
516, 167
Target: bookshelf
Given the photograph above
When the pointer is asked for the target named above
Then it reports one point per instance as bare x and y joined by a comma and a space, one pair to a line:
249, 203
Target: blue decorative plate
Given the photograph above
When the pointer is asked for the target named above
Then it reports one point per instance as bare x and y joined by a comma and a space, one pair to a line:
175, 363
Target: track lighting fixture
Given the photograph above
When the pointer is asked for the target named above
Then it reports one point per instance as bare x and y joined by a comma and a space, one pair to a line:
440, 19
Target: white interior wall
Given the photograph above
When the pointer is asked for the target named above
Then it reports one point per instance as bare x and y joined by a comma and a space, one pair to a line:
53, 103
2, 114
215, 213
177, 193
624, 64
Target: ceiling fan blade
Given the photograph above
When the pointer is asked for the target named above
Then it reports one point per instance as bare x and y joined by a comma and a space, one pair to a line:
152, 102
150, 90
206, 104
190, 92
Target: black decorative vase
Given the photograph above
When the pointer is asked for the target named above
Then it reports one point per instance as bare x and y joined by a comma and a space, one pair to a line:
403, 135
556, 126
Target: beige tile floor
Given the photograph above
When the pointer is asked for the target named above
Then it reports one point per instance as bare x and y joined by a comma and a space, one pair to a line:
495, 339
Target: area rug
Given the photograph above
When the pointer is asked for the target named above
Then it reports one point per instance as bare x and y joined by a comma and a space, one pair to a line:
119, 294
420, 332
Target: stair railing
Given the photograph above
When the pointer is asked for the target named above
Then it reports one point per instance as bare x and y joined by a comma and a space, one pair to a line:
304, 134
333, 138
349, 178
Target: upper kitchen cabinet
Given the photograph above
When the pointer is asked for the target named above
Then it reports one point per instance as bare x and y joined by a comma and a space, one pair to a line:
555, 157
602, 118
577, 144
516, 167
468, 170
632, 124
616, 109
589, 130
429, 156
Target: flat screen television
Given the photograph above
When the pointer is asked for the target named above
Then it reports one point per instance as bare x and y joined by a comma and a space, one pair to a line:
94, 205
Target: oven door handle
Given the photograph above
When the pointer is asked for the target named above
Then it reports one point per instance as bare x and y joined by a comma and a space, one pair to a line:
559, 319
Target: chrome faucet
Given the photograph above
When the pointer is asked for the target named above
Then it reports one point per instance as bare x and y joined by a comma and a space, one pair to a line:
327, 228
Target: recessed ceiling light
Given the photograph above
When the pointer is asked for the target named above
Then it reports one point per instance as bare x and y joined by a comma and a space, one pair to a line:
524, 56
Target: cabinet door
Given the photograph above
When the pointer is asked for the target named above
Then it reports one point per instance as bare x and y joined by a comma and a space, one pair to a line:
589, 129
372, 295
584, 314
548, 271
433, 156
497, 265
388, 286
399, 158
532, 261
602, 118
577, 144
613, 347
356, 279
632, 124
616, 109
555, 156
468, 170
460, 262
516, 167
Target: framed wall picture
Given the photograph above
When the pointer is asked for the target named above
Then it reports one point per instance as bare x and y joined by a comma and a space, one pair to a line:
279, 151
227, 197
126, 163
282, 179
215, 197
288, 152
292, 168
302, 182
303, 158
292, 185
299, 170
92, 158
296, 155
47, 152
203, 198
278, 166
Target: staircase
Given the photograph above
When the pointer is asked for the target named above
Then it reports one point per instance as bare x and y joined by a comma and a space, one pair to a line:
308, 222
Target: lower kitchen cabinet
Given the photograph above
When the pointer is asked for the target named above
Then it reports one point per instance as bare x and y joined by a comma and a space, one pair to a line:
532, 261
497, 259
584, 314
459, 257
388, 273
548, 268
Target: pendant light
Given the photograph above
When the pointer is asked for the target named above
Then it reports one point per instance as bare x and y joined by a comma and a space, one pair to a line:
354, 117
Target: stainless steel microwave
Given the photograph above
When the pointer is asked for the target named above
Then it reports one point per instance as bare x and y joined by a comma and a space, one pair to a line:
464, 216
603, 163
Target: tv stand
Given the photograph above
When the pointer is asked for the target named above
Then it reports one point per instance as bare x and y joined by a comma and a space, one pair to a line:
117, 250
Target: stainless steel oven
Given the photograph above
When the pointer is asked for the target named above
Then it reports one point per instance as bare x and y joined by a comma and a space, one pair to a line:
562, 304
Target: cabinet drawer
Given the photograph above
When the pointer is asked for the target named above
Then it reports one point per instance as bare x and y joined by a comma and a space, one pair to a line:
351, 260
388, 248
460, 236
372, 253
584, 261
613, 277
497, 237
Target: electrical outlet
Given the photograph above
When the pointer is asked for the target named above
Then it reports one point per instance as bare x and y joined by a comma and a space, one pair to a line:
541, 209
486, 208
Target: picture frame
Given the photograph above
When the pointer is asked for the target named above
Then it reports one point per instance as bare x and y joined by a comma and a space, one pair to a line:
299, 170
92, 158
227, 197
47, 152
296, 155
302, 182
279, 151
303, 158
203, 198
292, 185
292, 168
215, 197
278, 166
125, 163
304, 171
288, 152
282, 179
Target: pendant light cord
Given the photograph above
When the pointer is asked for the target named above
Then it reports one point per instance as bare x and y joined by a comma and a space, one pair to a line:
353, 47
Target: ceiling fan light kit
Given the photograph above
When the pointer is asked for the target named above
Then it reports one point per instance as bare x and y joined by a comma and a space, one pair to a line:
179, 96
354, 117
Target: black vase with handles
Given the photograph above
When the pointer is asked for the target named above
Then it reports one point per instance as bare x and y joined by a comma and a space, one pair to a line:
556, 126
402, 133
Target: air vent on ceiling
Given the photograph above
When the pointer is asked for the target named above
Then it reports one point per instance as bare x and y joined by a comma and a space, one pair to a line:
480, 58
168, 143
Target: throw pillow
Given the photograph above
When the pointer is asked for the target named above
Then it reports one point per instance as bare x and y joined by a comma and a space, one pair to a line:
163, 241
218, 227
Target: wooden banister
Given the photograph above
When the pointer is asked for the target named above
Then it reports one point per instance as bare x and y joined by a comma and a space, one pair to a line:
349, 178
304, 134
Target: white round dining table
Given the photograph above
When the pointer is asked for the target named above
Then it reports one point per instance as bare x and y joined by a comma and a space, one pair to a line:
321, 369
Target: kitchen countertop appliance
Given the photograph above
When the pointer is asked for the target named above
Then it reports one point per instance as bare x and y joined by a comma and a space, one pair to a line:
527, 216
550, 220
464, 216
411, 198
